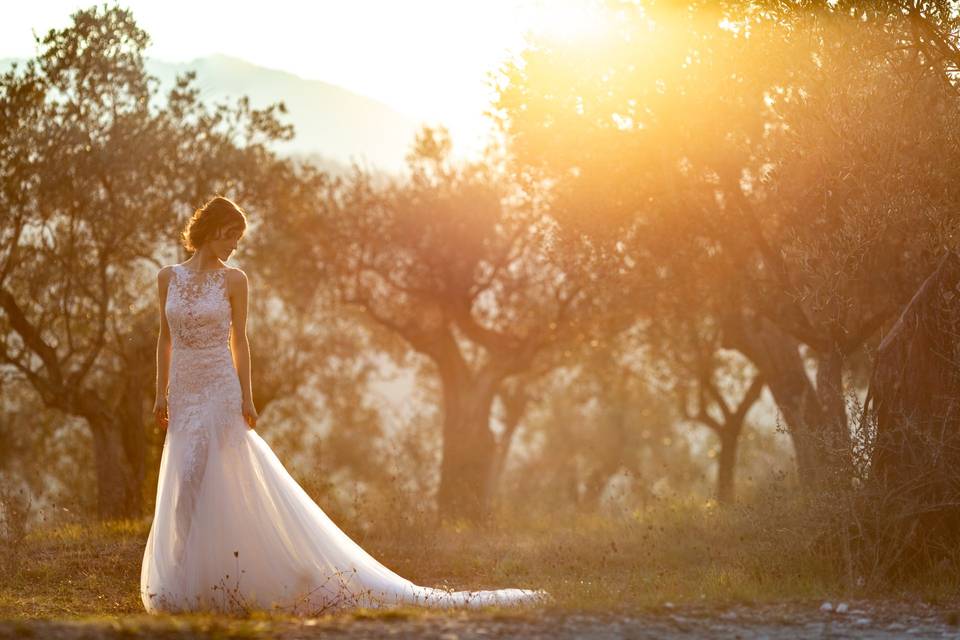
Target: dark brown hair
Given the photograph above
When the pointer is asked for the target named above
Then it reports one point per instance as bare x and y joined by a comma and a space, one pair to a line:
203, 225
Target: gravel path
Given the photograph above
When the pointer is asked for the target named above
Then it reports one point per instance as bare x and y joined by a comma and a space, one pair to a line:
854, 620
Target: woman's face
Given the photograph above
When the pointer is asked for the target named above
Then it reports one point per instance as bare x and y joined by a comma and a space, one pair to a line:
225, 240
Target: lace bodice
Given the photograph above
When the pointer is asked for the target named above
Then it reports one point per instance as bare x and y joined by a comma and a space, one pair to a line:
198, 309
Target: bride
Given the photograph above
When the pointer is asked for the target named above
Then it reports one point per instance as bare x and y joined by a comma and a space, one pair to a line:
232, 530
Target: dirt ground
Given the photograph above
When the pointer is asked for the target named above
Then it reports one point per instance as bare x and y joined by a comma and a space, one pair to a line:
868, 619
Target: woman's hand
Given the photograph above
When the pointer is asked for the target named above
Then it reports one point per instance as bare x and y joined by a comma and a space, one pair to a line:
160, 413
249, 413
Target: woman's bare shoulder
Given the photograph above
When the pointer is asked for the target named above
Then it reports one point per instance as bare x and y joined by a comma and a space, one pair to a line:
163, 276
237, 276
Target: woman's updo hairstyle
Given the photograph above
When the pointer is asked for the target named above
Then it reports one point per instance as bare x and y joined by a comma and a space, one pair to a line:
205, 221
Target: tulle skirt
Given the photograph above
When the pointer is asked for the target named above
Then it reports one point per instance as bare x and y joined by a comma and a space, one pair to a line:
234, 532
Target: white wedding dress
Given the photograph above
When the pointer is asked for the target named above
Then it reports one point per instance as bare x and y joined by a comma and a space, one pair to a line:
232, 530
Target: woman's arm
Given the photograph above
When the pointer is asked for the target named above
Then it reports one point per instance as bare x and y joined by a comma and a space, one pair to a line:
240, 346
163, 351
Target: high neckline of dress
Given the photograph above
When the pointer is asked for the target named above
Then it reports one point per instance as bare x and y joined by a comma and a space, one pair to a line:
198, 271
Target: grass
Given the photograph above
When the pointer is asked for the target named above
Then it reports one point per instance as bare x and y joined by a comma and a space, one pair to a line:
679, 552
75, 570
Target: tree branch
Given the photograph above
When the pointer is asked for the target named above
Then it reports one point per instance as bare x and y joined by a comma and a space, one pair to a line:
31, 337
749, 398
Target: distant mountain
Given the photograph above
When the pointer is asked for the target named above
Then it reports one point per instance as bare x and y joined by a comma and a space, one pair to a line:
328, 120
332, 125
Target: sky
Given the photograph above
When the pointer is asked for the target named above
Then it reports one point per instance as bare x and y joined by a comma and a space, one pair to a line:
425, 58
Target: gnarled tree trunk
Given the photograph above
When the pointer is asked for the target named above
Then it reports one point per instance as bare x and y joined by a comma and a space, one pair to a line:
832, 433
777, 355
727, 464
119, 450
119, 493
469, 447
913, 489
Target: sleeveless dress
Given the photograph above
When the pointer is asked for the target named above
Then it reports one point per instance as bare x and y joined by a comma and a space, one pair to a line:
232, 530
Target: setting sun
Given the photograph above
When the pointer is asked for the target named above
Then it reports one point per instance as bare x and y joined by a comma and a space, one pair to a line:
567, 21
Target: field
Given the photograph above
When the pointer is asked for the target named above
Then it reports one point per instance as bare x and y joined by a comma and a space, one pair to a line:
682, 568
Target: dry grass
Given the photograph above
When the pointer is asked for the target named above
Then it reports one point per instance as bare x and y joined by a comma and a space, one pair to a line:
76, 570
680, 552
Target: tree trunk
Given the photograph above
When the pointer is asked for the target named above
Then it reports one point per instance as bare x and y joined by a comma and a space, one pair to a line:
910, 502
727, 463
777, 356
833, 434
469, 448
119, 493
119, 447
130, 419
515, 399
499, 461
